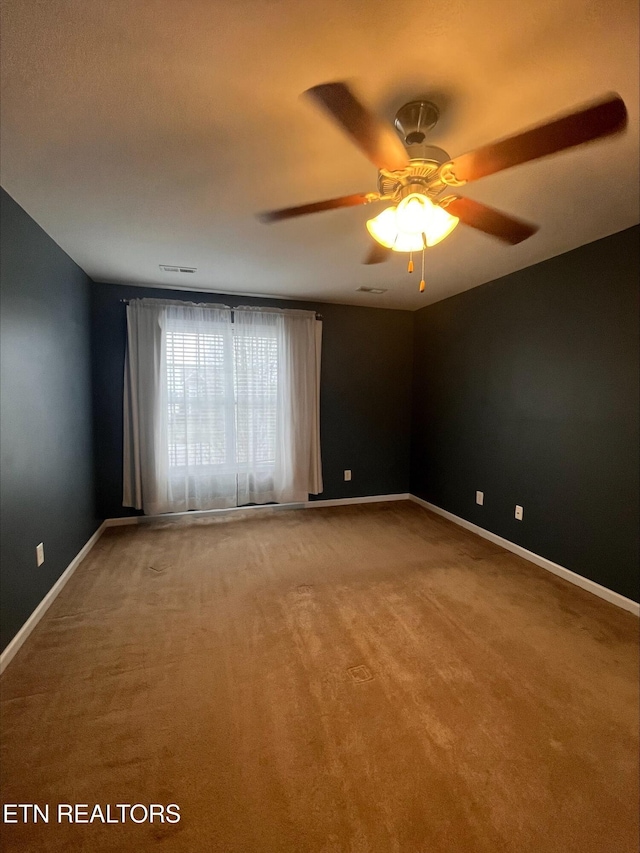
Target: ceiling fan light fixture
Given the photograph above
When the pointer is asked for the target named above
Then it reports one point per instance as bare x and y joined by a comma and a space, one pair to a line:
414, 222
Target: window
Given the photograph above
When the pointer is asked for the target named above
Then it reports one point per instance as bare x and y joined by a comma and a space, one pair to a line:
221, 407
221, 399
256, 396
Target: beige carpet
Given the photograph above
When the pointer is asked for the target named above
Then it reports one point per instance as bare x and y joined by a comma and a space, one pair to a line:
361, 679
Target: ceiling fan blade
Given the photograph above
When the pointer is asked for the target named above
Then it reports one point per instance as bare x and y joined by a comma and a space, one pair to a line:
318, 206
377, 254
376, 139
491, 221
602, 118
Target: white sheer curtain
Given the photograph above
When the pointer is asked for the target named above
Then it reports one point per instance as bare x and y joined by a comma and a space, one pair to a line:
144, 464
220, 413
287, 397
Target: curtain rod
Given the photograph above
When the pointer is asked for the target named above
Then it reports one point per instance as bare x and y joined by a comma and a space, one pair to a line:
318, 316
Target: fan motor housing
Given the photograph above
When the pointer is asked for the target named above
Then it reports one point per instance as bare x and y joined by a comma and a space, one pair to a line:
420, 175
413, 121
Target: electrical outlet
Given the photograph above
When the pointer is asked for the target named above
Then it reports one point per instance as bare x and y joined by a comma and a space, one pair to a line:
347, 476
480, 498
40, 554
519, 512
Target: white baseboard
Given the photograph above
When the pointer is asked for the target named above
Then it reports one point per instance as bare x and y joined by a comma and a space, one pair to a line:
121, 522
195, 513
14, 645
369, 499
203, 513
567, 574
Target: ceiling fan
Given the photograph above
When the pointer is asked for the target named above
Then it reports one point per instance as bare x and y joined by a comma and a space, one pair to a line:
416, 177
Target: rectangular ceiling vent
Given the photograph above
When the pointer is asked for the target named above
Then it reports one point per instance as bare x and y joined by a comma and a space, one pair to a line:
170, 268
372, 289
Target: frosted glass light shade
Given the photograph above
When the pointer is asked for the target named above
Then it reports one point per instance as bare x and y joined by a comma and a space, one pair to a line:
412, 214
406, 242
383, 228
440, 224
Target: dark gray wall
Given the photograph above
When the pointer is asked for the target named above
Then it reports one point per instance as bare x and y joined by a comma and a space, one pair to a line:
526, 388
365, 392
46, 489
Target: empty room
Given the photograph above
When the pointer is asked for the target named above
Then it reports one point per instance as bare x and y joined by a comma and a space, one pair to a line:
320, 393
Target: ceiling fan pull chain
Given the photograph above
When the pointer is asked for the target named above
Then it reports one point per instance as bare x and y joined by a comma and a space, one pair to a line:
422, 285
410, 267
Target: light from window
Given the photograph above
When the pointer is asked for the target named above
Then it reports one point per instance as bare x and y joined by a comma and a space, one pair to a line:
221, 398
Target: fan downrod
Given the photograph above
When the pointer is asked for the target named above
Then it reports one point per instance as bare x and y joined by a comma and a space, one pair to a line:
414, 120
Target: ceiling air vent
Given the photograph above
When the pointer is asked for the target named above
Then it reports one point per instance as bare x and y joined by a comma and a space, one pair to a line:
170, 268
372, 289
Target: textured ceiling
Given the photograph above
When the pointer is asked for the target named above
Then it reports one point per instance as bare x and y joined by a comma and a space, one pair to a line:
151, 132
